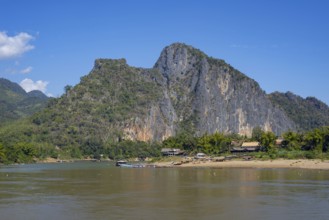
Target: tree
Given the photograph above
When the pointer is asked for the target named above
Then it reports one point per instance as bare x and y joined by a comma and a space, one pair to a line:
22, 152
67, 88
317, 139
257, 133
172, 142
214, 144
314, 140
2, 153
131, 149
204, 144
325, 131
292, 141
182, 141
220, 143
267, 140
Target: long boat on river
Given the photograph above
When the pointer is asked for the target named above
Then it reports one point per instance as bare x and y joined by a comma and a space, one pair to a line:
120, 162
123, 163
132, 165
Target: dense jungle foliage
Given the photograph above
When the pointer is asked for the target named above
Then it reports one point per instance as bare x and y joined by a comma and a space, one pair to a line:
29, 148
308, 113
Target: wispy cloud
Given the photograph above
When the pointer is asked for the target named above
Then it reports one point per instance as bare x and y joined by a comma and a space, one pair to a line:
19, 71
26, 70
13, 46
29, 85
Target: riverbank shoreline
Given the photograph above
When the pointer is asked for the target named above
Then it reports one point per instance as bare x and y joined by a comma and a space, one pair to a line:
315, 164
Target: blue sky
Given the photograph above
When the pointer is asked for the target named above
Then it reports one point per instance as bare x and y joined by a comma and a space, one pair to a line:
282, 44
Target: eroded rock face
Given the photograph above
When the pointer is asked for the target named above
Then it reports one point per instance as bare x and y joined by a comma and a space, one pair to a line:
152, 127
202, 94
210, 95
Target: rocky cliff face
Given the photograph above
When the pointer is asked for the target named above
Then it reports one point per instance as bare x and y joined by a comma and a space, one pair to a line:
200, 94
208, 95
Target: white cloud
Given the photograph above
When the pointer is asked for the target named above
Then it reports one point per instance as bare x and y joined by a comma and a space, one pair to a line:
29, 85
14, 46
26, 70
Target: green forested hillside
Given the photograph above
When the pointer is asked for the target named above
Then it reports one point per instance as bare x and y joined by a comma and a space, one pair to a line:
307, 113
92, 114
15, 103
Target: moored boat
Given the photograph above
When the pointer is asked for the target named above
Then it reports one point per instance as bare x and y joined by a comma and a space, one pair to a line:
120, 162
132, 165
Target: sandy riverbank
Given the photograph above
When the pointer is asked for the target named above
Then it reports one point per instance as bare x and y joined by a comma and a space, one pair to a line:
279, 163
236, 163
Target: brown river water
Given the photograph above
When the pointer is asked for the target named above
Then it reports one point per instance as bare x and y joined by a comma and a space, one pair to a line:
87, 190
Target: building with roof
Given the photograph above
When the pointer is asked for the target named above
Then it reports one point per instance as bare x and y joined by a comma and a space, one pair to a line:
247, 147
171, 152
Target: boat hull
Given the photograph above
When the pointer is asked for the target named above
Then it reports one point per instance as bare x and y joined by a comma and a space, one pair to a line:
132, 165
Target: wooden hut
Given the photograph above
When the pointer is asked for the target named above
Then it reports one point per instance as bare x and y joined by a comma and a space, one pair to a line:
171, 152
247, 147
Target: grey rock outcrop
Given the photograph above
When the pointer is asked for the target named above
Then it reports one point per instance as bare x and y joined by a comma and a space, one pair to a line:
201, 95
208, 95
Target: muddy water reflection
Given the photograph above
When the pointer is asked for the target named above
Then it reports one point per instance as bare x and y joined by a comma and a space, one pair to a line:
103, 191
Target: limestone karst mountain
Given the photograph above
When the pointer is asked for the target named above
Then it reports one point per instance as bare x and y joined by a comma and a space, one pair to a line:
185, 91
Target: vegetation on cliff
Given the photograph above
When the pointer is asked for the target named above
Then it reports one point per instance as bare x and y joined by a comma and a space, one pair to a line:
308, 113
